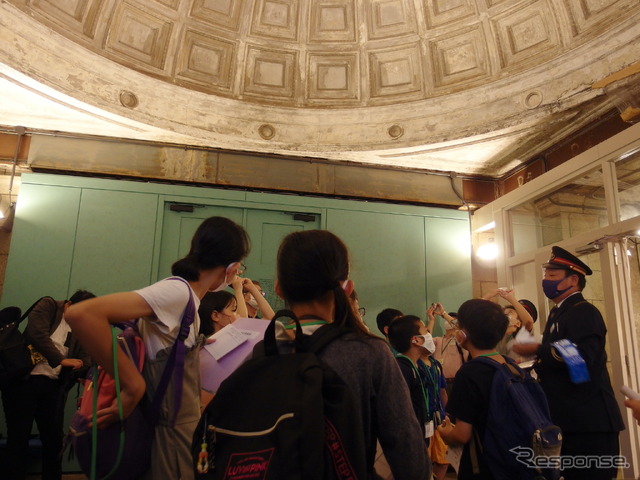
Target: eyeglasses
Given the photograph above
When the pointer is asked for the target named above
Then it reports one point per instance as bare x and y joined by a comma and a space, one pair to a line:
362, 311
242, 268
262, 292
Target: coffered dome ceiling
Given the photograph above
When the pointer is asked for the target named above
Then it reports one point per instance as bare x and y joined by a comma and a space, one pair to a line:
472, 86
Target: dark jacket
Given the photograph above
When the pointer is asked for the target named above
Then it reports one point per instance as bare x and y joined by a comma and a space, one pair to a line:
42, 322
584, 407
416, 390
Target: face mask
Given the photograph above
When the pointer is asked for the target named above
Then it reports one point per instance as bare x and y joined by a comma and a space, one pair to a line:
253, 302
461, 336
224, 283
550, 288
220, 287
428, 344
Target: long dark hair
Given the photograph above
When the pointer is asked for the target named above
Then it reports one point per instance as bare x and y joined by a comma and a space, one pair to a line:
312, 265
217, 242
213, 302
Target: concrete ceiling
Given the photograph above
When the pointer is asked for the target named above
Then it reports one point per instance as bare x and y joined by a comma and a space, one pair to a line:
468, 86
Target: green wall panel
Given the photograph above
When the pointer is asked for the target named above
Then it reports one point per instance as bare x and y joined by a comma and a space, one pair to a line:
387, 260
448, 264
42, 244
114, 241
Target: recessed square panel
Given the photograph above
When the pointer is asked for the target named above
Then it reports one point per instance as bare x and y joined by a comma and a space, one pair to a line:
275, 19
591, 16
139, 35
78, 16
526, 35
207, 61
333, 77
220, 13
270, 72
442, 12
332, 21
332, 18
459, 58
390, 18
396, 71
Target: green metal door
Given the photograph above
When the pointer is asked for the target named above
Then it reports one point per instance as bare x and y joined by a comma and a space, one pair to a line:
266, 229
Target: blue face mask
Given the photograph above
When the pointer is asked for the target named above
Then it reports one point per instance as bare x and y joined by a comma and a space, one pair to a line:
550, 288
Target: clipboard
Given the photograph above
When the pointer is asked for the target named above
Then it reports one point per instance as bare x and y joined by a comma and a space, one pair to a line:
212, 371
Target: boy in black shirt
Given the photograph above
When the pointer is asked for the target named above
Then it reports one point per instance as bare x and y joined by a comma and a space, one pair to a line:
482, 324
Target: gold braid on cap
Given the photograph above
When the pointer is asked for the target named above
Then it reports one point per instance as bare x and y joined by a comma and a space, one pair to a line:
568, 264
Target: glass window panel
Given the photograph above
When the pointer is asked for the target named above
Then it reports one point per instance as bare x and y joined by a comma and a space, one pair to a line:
628, 175
572, 209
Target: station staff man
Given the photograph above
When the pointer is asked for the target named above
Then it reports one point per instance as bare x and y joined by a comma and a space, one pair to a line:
586, 411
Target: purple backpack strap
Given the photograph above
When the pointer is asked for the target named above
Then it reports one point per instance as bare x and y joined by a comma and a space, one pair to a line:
175, 362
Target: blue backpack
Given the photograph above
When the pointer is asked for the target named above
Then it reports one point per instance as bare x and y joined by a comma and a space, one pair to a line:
520, 440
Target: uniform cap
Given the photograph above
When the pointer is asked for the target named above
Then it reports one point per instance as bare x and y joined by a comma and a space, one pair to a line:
530, 307
561, 259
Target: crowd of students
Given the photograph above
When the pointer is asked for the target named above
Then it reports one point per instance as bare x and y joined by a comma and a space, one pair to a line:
415, 394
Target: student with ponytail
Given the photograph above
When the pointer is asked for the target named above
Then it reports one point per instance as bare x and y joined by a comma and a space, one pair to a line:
217, 249
313, 278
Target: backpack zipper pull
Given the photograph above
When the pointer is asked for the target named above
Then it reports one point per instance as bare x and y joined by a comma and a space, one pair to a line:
203, 457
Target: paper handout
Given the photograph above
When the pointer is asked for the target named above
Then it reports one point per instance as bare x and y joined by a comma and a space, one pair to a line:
228, 339
213, 371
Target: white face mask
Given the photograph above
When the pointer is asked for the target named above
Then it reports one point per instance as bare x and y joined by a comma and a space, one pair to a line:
224, 283
428, 344
253, 302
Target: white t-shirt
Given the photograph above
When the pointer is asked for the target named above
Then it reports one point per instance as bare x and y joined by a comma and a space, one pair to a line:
59, 337
168, 299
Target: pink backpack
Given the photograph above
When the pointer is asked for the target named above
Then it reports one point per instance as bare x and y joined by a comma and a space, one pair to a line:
123, 448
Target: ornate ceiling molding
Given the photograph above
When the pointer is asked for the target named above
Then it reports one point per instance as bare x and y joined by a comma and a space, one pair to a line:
442, 85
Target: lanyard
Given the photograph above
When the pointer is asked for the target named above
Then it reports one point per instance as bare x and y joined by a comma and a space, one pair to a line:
425, 393
428, 370
444, 349
489, 354
315, 321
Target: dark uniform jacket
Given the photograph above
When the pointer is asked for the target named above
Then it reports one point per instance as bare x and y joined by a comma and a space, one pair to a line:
589, 406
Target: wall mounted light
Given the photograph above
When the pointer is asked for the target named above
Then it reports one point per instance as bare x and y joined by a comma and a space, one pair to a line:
8, 214
487, 251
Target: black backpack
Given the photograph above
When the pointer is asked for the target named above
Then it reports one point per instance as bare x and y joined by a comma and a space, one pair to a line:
15, 353
282, 416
